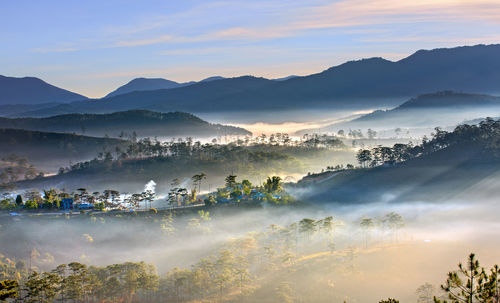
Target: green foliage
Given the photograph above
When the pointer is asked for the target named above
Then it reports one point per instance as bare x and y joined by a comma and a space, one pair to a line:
486, 134
230, 181
389, 300
471, 283
7, 204
78, 283
19, 200
30, 204
9, 289
210, 200
99, 206
273, 184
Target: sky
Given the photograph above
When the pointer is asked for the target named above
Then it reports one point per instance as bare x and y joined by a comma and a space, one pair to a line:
92, 47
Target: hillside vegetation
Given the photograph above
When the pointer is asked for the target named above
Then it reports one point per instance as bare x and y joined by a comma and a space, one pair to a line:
448, 165
142, 123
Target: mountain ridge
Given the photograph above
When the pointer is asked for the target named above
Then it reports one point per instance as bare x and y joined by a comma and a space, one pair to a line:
144, 123
366, 83
32, 90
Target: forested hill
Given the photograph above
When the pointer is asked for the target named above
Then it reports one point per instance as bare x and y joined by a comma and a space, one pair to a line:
452, 165
450, 99
143, 123
49, 151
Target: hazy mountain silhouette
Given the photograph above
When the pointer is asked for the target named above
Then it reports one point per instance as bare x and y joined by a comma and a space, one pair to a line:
373, 82
213, 78
147, 84
142, 84
30, 90
7, 110
427, 110
449, 99
144, 123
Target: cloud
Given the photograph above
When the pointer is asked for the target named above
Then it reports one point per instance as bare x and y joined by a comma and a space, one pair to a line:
370, 12
347, 15
276, 20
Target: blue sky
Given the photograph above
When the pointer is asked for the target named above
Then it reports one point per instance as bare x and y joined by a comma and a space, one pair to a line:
91, 47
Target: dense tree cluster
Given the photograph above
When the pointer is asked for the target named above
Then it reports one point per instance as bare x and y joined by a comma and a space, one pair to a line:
486, 133
230, 270
252, 149
77, 282
180, 151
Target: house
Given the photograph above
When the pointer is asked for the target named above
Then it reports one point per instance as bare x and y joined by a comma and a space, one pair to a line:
67, 203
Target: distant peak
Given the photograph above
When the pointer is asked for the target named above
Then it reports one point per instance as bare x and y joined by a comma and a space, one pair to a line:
213, 78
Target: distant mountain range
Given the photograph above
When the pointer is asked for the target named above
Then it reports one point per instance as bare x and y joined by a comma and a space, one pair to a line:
366, 83
30, 90
427, 110
142, 84
147, 84
143, 123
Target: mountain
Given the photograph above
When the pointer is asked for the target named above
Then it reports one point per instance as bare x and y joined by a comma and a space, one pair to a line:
144, 123
30, 90
49, 151
144, 84
366, 83
427, 110
213, 78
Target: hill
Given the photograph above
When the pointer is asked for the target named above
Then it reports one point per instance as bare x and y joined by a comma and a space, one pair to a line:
182, 162
144, 123
49, 151
427, 110
142, 84
448, 99
367, 83
452, 166
30, 90
147, 84
7, 110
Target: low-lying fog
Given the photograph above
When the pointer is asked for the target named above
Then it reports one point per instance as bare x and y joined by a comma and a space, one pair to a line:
382, 263
285, 120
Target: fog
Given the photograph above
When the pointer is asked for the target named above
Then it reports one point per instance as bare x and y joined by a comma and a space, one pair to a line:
365, 266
